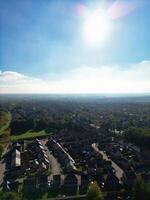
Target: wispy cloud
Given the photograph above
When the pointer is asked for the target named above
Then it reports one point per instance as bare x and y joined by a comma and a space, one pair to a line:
85, 79
121, 8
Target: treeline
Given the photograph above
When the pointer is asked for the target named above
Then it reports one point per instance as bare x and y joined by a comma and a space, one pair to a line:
139, 136
23, 125
20, 126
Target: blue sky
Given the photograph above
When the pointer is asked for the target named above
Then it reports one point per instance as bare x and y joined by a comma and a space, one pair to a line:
43, 40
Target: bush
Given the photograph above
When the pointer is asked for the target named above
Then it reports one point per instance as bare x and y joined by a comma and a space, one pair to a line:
9, 196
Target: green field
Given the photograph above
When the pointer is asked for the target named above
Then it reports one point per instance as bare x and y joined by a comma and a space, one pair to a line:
5, 120
29, 135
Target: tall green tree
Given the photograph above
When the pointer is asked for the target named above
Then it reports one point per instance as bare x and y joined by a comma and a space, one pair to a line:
94, 192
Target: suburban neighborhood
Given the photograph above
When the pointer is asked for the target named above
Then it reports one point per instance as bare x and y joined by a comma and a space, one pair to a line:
65, 164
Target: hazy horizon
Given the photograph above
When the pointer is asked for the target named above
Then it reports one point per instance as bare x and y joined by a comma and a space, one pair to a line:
81, 94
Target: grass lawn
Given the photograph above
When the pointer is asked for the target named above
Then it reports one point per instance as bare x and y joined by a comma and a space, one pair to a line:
29, 134
5, 120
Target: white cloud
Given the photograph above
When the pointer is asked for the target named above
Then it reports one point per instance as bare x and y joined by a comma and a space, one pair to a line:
85, 79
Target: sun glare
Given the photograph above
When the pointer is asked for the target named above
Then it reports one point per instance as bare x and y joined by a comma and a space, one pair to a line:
97, 27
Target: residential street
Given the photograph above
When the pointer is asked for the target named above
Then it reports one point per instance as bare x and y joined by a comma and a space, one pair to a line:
55, 166
2, 167
118, 170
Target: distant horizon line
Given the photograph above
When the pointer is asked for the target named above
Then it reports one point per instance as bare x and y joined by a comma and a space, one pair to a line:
84, 94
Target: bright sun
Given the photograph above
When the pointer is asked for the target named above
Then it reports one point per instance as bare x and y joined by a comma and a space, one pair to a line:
97, 27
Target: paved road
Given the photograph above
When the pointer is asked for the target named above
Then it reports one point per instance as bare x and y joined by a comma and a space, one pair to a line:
56, 169
2, 167
55, 166
118, 170
2, 170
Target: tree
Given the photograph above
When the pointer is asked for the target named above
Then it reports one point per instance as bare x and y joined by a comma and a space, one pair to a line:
141, 190
140, 136
94, 192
